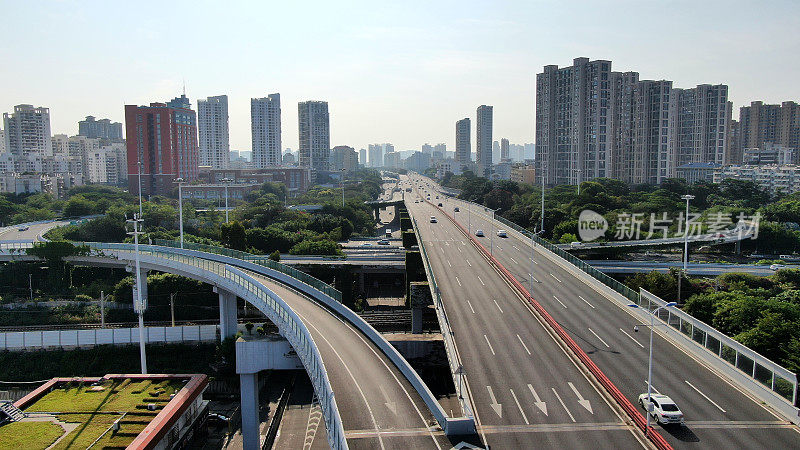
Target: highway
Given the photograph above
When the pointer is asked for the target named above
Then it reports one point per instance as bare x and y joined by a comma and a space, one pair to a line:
695, 269
33, 233
526, 391
718, 414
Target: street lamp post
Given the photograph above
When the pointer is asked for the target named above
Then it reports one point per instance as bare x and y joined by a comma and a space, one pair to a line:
341, 178
650, 358
542, 215
180, 206
139, 165
225, 182
686, 197
139, 306
533, 253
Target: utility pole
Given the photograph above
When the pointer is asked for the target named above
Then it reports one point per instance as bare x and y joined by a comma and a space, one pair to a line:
542, 215
30, 284
139, 305
102, 310
180, 206
172, 307
686, 197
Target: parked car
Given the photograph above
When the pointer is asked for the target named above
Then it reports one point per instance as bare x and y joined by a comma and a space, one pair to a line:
502, 233
664, 410
479, 233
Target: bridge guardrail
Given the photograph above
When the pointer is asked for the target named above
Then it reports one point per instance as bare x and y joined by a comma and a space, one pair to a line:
456, 368
41, 339
261, 260
275, 308
776, 379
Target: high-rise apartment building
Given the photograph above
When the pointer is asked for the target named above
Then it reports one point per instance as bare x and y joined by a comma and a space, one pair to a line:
212, 127
778, 124
735, 150
505, 153
344, 158
27, 130
592, 122
102, 129
427, 149
483, 140
463, 145
2, 141
362, 157
162, 140
375, 155
439, 152
315, 135
265, 122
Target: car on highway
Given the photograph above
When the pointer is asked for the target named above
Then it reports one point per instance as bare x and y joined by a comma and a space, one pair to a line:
440, 203
367, 244
433, 219
777, 267
416, 201
23, 228
479, 233
576, 244
502, 233
456, 209
383, 242
663, 410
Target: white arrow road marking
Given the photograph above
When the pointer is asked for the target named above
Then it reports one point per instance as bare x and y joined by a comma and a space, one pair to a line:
470, 307
523, 344
391, 405
584, 301
562, 404
514, 261
538, 403
520, 407
704, 395
632, 338
498, 306
585, 403
598, 337
459, 283
497, 407
464, 445
559, 301
490, 345
653, 388
479, 279
555, 277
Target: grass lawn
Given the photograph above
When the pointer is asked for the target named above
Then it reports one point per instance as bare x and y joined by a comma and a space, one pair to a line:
21, 435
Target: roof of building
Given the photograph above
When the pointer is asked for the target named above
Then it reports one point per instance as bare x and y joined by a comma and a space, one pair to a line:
82, 411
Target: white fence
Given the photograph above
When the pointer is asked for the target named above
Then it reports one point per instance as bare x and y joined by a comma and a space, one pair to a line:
41, 339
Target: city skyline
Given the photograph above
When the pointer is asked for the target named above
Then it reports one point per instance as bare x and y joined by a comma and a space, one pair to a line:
455, 67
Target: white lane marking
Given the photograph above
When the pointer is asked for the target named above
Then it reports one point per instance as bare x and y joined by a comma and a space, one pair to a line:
559, 301
539, 403
470, 307
459, 250
653, 388
468, 263
487, 342
562, 404
352, 377
515, 247
497, 407
585, 403
519, 407
598, 337
584, 301
523, 344
448, 263
459, 283
704, 395
442, 249
514, 261
498, 306
498, 247
534, 261
632, 338
530, 275
555, 277
479, 279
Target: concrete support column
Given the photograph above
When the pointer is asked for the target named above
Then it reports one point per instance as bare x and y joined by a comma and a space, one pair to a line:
420, 296
361, 285
416, 320
228, 316
251, 438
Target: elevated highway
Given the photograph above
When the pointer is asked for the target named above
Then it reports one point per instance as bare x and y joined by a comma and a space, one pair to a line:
718, 413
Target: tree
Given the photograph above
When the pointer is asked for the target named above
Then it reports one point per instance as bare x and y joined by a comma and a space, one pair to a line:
321, 247
275, 256
232, 235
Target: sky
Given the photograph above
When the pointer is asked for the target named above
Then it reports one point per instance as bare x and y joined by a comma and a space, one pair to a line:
402, 72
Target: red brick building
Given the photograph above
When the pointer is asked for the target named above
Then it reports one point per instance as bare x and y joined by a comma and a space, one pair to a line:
163, 137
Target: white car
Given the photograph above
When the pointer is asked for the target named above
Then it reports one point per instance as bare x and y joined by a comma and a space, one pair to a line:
479, 233
433, 219
502, 233
777, 267
664, 410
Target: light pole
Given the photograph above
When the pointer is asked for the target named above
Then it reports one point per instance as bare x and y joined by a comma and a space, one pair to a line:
341, 178
650, 358
180, 206
541, 228
580, 172
686, 197
533, 253
139, 305
139, 165
225, 181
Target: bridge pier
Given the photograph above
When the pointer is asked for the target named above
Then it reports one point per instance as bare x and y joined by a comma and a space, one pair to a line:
228, 315
248, 387
420, 298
